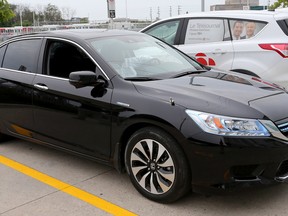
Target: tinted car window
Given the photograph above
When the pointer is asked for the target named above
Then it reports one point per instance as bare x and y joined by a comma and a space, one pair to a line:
165, 31
206, 30
2, 52
22, 55
283, 25
62, 58
245, 29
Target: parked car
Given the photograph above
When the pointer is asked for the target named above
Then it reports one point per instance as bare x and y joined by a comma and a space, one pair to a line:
249, 42
131, 101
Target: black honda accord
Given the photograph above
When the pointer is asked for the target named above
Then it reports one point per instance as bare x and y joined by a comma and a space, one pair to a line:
133, 102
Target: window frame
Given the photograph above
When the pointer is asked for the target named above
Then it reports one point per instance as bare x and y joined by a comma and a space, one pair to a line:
178, 35
37, 54
283, 25
99, 70
2, 48
62, 45
244, 22
186, 22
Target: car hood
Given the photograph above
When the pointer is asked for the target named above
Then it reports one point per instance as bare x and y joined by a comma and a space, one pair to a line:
219, 93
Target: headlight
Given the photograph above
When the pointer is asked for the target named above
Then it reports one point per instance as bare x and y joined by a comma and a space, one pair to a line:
228, 126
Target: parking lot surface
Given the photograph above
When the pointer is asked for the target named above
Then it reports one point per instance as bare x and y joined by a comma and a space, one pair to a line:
37, 180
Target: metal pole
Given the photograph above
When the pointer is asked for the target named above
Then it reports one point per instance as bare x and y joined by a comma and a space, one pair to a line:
33, 18
126, 11
21, 18
202, 5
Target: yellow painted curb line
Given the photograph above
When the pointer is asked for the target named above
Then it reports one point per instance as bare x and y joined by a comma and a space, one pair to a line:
69, 189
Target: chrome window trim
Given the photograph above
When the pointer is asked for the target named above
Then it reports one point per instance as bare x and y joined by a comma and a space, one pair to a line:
18, 71
76, 44
53, 38
52, 77
19, 39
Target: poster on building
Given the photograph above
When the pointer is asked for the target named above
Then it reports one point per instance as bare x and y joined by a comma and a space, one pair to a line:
111, 8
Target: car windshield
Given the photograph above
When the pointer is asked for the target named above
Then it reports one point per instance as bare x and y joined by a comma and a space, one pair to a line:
142, 56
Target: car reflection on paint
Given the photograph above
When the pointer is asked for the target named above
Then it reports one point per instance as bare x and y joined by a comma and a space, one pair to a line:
130, 101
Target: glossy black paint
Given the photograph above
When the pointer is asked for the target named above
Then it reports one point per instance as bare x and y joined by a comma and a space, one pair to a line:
96, 120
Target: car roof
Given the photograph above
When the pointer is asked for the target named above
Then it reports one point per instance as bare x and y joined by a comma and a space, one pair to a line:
84, 34
240, 14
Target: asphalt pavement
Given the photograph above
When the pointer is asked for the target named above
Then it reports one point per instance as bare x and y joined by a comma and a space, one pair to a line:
40, 181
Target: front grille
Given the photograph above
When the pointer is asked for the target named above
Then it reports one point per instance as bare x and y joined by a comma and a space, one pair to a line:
283, 169
284, 128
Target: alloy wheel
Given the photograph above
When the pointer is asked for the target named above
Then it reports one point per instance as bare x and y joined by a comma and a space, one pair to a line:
152, 166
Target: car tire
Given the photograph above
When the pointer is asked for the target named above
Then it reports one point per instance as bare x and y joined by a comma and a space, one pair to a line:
163, 175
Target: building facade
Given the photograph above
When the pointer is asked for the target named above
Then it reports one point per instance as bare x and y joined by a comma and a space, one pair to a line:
235, 5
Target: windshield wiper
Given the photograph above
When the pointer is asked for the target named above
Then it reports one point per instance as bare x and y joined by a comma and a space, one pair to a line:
187, 73
141, 78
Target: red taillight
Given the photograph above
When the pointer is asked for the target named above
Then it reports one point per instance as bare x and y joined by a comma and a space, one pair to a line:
281, 49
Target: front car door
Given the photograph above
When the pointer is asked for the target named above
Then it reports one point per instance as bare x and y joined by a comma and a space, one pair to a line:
65, 116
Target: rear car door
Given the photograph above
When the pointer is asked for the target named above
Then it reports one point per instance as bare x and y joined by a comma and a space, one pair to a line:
209, 41
18, 69
249, 55
65, 116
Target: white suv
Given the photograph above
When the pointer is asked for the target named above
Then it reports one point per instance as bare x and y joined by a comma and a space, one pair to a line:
250, 42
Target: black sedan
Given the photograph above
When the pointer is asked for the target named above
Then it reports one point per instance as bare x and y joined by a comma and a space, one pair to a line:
133, 102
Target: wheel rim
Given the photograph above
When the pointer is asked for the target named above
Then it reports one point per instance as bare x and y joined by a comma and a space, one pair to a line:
152, 166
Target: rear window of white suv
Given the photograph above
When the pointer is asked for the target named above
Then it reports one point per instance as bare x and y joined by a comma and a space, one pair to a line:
284, 25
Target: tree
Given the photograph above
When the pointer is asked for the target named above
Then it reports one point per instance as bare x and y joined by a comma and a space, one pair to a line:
68, 13
23, 15
84, 20
279, 3
52, 13
6, 13
39, 14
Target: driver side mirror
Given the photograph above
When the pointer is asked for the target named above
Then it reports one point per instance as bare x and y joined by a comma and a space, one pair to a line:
81, 79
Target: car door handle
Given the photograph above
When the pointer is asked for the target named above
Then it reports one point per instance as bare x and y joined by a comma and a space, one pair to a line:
41, 87
219, 52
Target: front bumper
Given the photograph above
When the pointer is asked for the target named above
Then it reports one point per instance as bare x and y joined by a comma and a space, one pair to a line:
237, 162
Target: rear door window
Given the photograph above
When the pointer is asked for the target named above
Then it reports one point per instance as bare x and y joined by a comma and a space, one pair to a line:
165, 31
206, 31
22, 55
245, 29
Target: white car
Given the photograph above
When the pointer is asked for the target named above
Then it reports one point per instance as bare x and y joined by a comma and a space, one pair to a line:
250, 42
